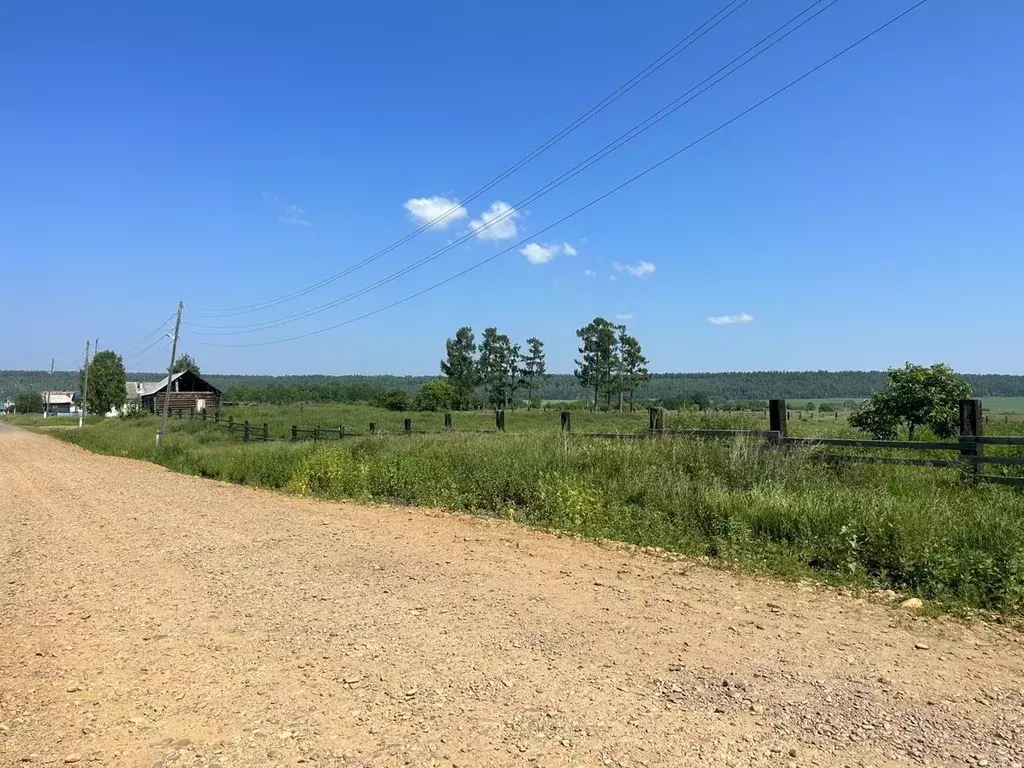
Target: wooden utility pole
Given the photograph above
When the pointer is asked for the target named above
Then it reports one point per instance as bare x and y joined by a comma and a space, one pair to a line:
85, 389
46, 409
170, 372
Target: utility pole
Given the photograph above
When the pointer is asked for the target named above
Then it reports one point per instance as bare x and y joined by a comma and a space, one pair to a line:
170, 372
85, 388
46, 411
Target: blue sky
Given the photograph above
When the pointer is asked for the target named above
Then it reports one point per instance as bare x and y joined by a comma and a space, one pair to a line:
226, 154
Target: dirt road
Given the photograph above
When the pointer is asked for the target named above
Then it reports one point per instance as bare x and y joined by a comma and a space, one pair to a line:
148, 618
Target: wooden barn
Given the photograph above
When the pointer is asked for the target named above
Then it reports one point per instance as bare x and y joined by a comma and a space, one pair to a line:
187, 390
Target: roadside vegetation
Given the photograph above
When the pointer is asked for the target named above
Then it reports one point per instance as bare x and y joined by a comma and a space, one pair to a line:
917, 531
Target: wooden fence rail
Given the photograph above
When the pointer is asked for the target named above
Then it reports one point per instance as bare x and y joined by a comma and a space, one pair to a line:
969, 448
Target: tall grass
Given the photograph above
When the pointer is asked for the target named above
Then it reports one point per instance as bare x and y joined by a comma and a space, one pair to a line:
916, 530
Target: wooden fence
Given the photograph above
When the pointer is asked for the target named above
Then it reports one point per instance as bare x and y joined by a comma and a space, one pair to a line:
249, 432
970, 447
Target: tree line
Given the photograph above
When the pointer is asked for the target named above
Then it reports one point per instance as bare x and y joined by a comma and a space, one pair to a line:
729, 387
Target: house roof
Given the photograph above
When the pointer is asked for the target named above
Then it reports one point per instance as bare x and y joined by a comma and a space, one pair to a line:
58, 397
152, 387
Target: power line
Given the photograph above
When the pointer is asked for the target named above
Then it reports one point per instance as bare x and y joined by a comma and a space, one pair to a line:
637, 130
596, 200
147, 348
728, 10
164, 348
150, 335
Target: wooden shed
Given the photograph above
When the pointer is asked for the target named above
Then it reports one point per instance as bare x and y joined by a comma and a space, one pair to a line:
187, 391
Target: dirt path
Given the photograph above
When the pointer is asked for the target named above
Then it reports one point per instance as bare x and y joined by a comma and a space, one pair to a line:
148, 618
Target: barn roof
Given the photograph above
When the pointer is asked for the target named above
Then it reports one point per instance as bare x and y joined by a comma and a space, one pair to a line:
152, 387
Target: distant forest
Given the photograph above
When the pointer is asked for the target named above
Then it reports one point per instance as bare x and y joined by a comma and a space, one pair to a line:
720, 387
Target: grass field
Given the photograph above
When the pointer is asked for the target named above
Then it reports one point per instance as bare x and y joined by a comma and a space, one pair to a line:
1004, 405
918, 530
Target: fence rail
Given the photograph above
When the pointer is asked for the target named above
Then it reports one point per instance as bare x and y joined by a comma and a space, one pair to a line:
249, 432
969, 447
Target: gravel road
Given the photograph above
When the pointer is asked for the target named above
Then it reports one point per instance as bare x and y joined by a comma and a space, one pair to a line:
153, 619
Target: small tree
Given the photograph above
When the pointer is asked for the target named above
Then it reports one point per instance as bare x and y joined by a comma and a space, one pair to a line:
914, 396
392, 400
499, 367
597, 362
810, 406
700, 400
29, 402
534, 367
106, 382
185, 362
436, 395
460, 365
632, 365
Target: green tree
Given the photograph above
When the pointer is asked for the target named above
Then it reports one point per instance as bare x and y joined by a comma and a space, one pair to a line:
392, 400
29, 402
633, 371
185, 362
499, 367
809, 406
534, 367
914, 396
106, 382
460, 366
700, 400
436, 395
596, 364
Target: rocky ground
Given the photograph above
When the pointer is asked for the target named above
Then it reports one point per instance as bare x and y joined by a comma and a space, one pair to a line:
152, 619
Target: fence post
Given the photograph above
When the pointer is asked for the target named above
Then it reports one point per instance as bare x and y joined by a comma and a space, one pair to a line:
245, 434
408, 426
447, 421
342, 431
778, 417
566, 422
655, 419
373, 428
231, 422
295, 432
499, 419
316, 433
191, 413
972, 424
266, 432
204, 414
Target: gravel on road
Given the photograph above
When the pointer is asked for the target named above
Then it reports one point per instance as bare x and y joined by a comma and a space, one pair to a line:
152, 619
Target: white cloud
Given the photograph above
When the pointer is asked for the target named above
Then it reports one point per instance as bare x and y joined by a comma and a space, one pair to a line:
623, 316
291, 214
588, 273
499, 220
731, 319
536, 253
640, 269
613, 278
294, 216
439, 212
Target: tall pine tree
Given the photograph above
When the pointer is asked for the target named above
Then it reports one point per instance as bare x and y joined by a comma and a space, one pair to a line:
460, 365
534, 368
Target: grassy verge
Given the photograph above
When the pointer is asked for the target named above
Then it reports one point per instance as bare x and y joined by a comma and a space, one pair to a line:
37, 420
918, 531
